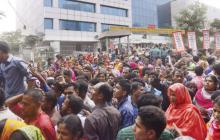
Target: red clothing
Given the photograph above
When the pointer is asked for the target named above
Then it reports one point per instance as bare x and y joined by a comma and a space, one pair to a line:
213, 131
42, 121
184, 114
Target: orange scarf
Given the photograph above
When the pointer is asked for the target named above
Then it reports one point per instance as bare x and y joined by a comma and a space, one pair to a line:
184, 114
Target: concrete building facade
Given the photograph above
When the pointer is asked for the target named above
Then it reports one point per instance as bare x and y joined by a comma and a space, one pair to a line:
70, 26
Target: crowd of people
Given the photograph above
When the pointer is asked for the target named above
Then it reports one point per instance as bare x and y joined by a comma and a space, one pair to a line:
160, 95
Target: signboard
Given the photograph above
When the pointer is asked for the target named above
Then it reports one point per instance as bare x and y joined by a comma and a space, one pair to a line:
217, 40
178, 41
206, 39
192, 40
146, 30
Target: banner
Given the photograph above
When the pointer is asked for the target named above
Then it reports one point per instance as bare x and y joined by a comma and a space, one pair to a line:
178, 41
192, 40
206, 39
217, 40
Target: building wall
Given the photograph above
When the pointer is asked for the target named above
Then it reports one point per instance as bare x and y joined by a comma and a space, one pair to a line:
164, 15
34, 14
144, 12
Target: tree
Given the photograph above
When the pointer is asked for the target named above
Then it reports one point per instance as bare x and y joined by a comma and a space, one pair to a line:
14, 39
33, 40
215, 25
193, 18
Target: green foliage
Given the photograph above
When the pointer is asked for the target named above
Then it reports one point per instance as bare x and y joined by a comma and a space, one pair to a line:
32, 40
14, 39
215, 25
193, 18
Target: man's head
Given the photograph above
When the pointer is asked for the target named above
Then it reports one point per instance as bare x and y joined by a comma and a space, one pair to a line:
122, 89
137, 88
4, 51
198, 71
103, 93
196, 59
31, 102
72, 105
67, 75
178, 76
216, 69
81, 88
148, 99
2, 98
49, 101
150, 123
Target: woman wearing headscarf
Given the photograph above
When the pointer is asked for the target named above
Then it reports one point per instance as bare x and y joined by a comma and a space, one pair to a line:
7, 127
28, 132
182, 114
203, 96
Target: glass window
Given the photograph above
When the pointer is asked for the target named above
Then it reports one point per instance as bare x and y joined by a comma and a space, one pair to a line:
106, 27
114, 11
48, 3
48, 23
76, 5
77, 25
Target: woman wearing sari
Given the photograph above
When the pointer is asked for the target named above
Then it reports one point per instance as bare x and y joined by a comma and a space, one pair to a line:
183, 114
17, 130
203, 96
8, 126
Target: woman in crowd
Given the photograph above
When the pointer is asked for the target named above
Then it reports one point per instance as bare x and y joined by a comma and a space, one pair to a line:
203, 96
183, 114
70, 128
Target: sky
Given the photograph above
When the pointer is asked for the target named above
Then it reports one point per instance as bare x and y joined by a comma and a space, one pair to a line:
8, 23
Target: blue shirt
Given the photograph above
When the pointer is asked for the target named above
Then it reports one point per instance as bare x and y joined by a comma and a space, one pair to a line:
12, 74
127, 112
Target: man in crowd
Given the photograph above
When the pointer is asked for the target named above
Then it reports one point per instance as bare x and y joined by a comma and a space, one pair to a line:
12, 72
104, 122
28, 107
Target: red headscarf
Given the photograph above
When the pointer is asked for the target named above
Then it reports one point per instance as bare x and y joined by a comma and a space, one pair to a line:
184, 114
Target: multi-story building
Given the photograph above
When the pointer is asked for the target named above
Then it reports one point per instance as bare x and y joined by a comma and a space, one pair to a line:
167, 12
144, 12
72, 25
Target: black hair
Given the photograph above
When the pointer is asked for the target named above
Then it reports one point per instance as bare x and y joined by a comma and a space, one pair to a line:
36, 94
179, 71
125, 86
82, 87
75, 103
94, 81
89, 68
73, 124
2, 97
196, 58
17, 135
104, 73
198, 71
216, 68
4, 47
132, 76
215, 94
153, 118
214, 79
145, 70
148, 99
2, 125
210, 60
51, 97
82, 77
106, 91
217, 101
67, 73
135, 85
